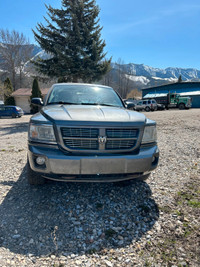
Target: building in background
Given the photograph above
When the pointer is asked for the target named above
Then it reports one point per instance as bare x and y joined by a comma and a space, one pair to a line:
191, 89
22, 98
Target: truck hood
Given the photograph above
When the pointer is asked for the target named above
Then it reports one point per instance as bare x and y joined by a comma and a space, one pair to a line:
90, 113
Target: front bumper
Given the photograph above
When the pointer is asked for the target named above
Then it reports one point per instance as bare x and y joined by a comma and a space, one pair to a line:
109, 167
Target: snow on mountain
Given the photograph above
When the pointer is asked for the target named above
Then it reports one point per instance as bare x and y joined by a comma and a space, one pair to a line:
147, 71
138, 80
165, 79
145, 76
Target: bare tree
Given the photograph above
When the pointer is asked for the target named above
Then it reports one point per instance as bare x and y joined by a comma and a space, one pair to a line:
123, 79
1, 91
15, 51
135, 94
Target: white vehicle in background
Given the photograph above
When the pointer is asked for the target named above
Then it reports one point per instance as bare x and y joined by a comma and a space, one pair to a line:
147, 105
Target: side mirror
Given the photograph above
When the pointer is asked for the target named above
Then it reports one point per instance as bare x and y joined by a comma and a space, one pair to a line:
36, 101
130, 106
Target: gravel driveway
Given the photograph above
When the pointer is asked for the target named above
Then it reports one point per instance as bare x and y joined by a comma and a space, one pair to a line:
152, 223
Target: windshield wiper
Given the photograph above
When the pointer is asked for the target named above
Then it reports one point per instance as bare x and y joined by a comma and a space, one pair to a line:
70, 103
62, 103
98, 104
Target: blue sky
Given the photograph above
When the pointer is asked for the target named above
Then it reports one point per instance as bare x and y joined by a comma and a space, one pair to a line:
158, 33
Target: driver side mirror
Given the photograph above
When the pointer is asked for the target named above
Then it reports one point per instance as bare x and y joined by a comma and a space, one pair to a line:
130, 106
36, 101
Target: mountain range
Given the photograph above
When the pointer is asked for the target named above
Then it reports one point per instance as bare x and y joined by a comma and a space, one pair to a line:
144, 76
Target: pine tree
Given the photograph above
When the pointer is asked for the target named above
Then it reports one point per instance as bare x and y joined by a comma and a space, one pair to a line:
73, 42
179, 79
8, 90
36, 92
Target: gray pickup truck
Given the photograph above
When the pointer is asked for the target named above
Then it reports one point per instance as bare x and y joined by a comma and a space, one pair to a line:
85, 133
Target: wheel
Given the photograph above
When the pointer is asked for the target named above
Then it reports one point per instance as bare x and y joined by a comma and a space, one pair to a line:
34, 178
147, 109
14, 115
181, 106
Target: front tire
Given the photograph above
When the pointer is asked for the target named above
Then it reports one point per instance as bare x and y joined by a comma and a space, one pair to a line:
147, 109
181, 106
34, 178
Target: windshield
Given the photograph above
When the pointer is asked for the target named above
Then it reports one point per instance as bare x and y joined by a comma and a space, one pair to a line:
84, 95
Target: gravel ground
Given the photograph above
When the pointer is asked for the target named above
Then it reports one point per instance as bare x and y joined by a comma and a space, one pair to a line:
152, 223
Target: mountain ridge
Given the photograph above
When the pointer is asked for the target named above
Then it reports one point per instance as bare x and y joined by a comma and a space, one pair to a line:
134, 69
140, 75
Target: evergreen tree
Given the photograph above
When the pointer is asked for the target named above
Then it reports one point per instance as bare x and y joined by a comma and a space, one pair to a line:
179, 79
8, 90
73, 42
36, 92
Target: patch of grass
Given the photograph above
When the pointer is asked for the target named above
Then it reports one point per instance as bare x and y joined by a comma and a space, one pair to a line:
187, 229
167, 256
194, 203
141, 253
180, 265
179, 213
190, 198
185, 195
165, 209
147, 263
187, 233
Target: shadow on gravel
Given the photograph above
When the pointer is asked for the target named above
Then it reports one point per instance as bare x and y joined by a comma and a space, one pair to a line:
65, 218
14, 128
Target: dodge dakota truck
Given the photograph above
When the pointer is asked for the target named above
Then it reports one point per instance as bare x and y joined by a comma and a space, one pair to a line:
85, 133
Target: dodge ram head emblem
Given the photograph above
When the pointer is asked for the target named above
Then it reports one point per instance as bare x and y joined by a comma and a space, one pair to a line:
102, 139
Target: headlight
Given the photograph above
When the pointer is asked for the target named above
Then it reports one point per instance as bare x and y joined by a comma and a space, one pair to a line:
149, 135
41, 133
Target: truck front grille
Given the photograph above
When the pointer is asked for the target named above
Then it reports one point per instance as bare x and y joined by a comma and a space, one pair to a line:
86, 144
80, 132
120, 144
121, 133
99, 139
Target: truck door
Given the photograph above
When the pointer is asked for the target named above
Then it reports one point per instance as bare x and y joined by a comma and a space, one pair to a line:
173, 102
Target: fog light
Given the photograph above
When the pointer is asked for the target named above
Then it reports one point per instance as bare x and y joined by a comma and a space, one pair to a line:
40, 160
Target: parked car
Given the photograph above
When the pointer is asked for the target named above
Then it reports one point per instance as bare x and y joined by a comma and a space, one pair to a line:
148, 105
84, 133
11, 111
